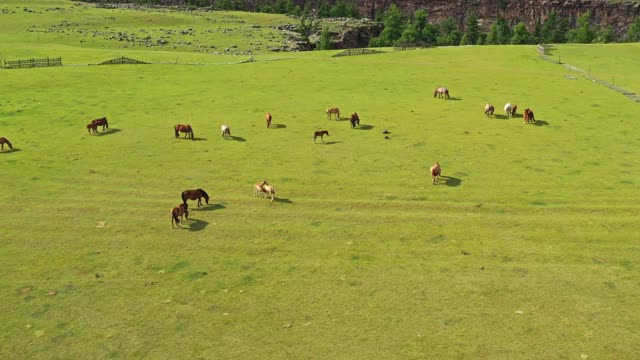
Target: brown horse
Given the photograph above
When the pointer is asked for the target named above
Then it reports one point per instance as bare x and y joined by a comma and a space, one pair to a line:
355, 120
197, 194
335, 111
268, 118
320, 133
177, 213
435, 172
528, 116
3, 141
488, 109
186, 129
441, 91
101, 122
93, 126
513, 110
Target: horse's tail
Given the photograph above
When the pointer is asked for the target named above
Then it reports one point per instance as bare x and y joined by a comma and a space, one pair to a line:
106, 122
184, 197
174, 218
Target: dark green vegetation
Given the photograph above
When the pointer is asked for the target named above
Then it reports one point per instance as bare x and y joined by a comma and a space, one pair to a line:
527, 247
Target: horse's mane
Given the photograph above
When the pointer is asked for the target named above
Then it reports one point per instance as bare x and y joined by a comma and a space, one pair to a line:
204, 193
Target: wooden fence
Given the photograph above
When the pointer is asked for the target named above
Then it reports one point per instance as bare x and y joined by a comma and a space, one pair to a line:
358, 51
31, 63
122, 60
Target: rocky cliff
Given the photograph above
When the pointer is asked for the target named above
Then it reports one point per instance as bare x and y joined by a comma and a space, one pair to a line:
618, 15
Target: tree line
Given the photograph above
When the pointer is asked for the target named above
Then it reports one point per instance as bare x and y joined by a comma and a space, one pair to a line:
415, 29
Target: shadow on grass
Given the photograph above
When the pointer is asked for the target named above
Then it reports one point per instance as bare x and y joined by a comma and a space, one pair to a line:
451, 181
197, 225
283, 201
329, 142
278, 126
194, 139
454, 98
540, 123
235, 138
108, 132
211, 207
364, 127
501, 117
7, 151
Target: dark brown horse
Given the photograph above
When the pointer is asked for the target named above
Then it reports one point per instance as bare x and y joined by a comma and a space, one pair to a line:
441, 91
435, 172
489, 109
513, 110
94, 127
334, 111
3, 141
268, 118
355, 120
177, 213
528, 116
197, 194
320, 133
101, 122
186, 129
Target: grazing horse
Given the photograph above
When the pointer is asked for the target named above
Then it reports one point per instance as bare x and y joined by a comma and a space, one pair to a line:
259, 188
435, 172
528, 116
507, 109
186, 129
268, 118
197, 194
488, 109
179, 211
335, 111
225, 130
3, 141
101, 122
320, 133
355, 120
513, 110
92, 126
441, 91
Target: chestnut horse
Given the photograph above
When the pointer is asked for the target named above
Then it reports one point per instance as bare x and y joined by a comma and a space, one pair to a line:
355, 120
320, 133
528, 116
435, 172
179, 211
335, 111
101, 122
441, 91
268, 118
186, 129
93, 126
197, 194
3, 141
225, 130
488, 109
268, 191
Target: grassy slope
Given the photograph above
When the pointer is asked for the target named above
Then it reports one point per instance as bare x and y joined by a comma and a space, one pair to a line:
362, 255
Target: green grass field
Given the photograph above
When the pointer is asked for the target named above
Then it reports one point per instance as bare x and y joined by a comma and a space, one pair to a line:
525, 249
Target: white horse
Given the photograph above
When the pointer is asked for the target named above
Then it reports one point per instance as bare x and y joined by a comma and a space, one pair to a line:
507, 109
225, 130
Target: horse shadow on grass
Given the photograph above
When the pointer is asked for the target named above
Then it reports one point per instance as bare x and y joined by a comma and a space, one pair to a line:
501, 117
330, 142
194, 139
283, 201
455, 98
211, 207
364, 127
108, 132
540, 123
451, 181
278, 126
235, 138
7, 151
197, 225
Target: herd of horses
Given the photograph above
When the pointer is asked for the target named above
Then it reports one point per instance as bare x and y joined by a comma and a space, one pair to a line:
510, 111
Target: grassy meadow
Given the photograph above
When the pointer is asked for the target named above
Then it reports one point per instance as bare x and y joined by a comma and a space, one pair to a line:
525, 249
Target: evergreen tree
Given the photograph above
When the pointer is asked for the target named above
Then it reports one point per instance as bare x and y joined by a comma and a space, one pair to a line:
604, 35
520, 34
633, 33
393, 27
325, 39
583, 33
471, 29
